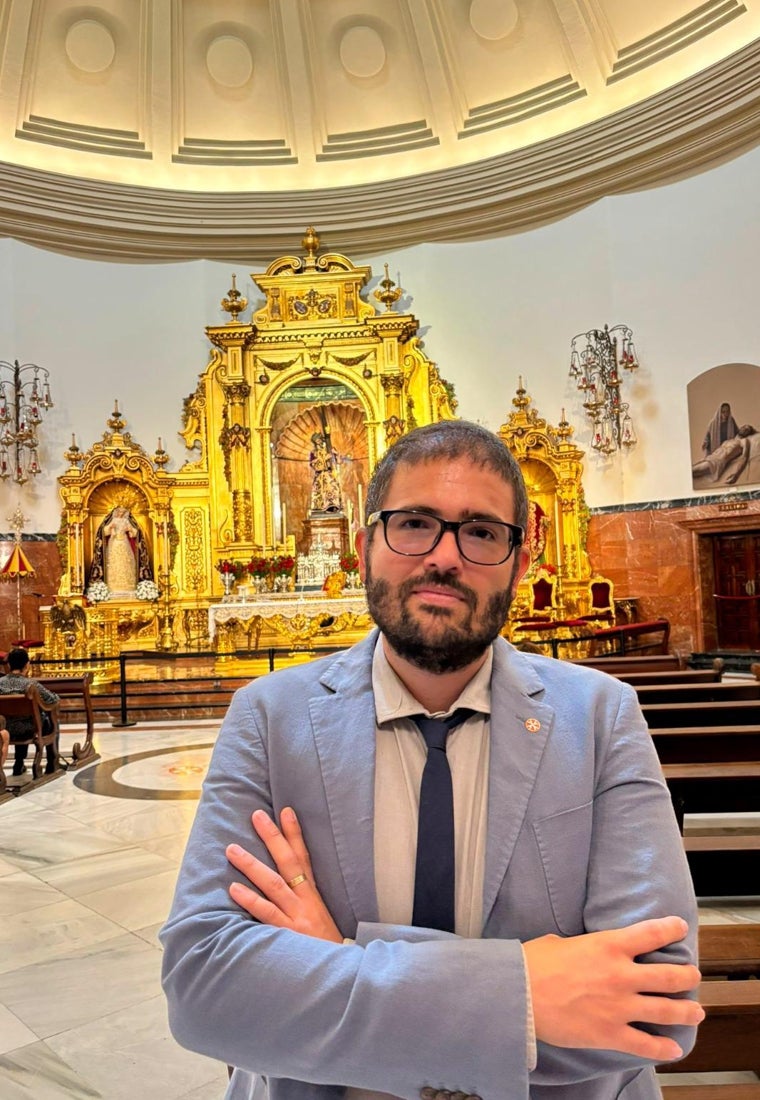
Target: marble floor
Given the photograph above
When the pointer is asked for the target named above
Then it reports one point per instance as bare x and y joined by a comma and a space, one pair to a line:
87, 870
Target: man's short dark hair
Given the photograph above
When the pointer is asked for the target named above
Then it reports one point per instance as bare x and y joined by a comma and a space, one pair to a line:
450, 439
18, 659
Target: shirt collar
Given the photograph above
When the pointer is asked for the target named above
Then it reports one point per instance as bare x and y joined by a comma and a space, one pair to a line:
393, 699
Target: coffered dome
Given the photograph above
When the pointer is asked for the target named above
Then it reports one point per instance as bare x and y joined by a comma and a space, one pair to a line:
132, 130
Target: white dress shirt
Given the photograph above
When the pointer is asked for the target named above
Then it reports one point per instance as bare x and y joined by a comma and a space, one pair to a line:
401, 755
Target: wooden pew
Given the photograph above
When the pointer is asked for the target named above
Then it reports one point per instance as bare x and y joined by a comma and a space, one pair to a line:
673, 676
731, 712
722, 786
660, 662
29, 705
690, 692
729, 950
78, 688
727, 1039
707, 744
724, 865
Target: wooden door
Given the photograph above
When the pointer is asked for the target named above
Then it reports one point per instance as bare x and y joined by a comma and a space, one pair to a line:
736, 559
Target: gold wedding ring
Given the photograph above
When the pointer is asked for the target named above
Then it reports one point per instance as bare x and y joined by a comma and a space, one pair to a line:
297, 881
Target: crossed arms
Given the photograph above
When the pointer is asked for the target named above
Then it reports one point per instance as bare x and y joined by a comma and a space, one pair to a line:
585, 990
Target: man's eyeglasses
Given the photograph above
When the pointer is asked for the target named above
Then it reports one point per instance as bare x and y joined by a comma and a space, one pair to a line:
480, 541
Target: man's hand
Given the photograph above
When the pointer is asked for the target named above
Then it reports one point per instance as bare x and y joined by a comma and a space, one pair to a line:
298, 906
588, 990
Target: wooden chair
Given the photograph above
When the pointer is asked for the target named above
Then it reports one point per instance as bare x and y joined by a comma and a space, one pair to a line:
29, 705
77, 688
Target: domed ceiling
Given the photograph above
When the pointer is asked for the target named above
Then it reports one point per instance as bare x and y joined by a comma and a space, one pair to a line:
180, 129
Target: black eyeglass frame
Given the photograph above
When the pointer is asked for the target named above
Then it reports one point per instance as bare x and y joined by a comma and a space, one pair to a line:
517, 533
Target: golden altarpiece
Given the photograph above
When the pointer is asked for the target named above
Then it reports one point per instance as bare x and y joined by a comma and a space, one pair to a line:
286, 423
290, 416
558, 516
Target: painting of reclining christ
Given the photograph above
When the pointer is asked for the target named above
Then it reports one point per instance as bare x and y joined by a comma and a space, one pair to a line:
724, 425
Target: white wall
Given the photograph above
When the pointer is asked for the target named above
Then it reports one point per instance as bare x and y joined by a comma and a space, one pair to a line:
677, 263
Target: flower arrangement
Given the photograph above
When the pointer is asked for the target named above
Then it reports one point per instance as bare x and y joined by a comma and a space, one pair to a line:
257, 567
283, 565
349, 563
147, 590
97, 592
226, 565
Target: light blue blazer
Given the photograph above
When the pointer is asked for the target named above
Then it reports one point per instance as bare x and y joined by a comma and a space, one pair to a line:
581, 837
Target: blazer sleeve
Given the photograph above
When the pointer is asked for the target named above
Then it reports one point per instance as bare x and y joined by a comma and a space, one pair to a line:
281, 1004
637, 870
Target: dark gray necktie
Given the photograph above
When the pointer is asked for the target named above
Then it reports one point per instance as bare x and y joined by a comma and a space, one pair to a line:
434, 872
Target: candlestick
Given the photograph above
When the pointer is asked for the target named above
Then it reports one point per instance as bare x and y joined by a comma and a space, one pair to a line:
284, 520
350, 527
359, 505
73, 439
116, 406
519, 382
160, 444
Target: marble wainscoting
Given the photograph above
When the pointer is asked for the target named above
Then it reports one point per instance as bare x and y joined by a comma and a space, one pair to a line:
653, 552
88, 865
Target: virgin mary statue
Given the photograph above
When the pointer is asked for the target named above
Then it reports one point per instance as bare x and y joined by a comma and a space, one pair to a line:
120, 555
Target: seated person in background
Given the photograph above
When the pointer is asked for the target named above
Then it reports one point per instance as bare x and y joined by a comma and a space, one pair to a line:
715, 465
15, 683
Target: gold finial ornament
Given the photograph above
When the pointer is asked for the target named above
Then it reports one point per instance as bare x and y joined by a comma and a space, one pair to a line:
389, 293
234, 303
73, 455
116, 421
564, 429
160, 458
310, 245
521, 399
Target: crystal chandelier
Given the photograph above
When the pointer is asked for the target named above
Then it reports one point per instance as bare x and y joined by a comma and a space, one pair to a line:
24, 399
596, 358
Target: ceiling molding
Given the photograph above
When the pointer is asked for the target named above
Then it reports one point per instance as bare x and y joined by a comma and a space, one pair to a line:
696, 124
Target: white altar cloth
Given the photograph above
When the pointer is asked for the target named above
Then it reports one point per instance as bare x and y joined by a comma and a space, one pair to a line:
287, 604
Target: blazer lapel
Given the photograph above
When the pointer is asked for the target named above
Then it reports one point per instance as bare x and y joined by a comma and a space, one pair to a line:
520, 725
344, 732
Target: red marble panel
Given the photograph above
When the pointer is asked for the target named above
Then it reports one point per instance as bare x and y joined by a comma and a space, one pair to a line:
35, 592
668, 566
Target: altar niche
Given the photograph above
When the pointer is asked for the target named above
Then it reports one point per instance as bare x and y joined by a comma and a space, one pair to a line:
320, 472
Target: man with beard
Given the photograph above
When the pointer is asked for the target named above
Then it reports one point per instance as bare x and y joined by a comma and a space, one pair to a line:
553, 957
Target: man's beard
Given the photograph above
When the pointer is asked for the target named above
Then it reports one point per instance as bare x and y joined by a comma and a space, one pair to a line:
452, 646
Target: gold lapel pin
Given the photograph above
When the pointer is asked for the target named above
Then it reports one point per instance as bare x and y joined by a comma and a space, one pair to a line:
532, 725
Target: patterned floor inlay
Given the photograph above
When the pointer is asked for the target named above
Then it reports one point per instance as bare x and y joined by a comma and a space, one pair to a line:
148, 775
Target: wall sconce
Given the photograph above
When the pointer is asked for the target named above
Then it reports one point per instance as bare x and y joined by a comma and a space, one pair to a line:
24, 399
595, 367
